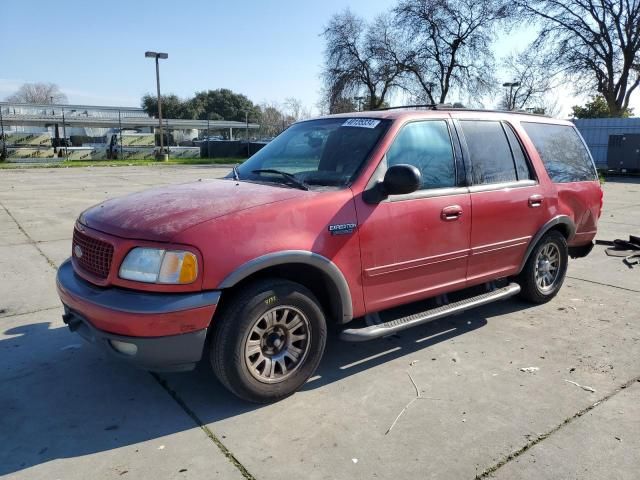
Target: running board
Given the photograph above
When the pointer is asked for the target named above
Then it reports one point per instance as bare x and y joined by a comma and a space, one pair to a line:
402, 323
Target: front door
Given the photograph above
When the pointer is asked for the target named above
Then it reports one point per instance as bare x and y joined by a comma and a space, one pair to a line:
416, 246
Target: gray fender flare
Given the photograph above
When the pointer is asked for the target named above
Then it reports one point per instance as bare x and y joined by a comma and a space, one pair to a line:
296, 256
559, 220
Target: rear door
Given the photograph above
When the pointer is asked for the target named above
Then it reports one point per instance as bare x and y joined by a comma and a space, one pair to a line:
416, 246
507, 201
570, 167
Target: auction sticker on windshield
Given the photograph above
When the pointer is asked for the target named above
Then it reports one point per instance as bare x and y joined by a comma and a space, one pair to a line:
361, 122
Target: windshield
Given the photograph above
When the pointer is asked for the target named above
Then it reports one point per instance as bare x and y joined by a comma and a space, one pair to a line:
328, 152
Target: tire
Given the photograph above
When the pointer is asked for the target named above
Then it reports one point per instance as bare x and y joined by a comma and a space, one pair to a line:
538, 279
258, 335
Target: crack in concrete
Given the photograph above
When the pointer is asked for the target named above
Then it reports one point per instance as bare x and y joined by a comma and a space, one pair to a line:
30, 312
212, 436
406, 407
31, 240
604, 284
28, 242
513, 455
619, 223
624, 207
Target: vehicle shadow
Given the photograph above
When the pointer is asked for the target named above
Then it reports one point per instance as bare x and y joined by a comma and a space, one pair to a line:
62, 399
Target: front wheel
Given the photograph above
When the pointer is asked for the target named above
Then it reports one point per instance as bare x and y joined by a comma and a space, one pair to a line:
545, 270
268, 340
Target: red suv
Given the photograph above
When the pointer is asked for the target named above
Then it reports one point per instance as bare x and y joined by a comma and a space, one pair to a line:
338, 219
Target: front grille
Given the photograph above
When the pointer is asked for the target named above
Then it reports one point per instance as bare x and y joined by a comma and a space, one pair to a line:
91, 254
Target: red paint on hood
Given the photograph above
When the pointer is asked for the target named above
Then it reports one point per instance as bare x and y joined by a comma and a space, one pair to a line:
160, 213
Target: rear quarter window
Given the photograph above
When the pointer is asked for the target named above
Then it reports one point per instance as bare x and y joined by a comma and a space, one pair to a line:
562, 151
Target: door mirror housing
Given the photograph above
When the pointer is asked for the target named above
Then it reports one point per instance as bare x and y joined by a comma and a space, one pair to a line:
399, 180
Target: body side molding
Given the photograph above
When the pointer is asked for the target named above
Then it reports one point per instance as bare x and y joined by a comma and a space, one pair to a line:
297, 256
558, 220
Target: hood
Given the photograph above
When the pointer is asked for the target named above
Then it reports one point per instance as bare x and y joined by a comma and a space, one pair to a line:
160, 213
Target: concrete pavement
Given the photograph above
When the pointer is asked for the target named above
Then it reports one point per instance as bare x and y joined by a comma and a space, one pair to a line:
69, 413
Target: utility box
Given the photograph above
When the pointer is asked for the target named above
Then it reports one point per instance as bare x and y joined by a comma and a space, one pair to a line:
623, 153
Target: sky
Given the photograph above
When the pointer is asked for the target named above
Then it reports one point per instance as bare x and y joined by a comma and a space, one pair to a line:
266, 50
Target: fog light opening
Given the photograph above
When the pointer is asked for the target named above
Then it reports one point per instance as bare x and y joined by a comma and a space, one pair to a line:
124, 347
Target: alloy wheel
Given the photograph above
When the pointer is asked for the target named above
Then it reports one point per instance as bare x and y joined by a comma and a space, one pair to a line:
277, 344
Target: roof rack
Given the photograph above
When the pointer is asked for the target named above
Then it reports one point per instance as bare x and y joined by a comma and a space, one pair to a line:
448, 106
432, 106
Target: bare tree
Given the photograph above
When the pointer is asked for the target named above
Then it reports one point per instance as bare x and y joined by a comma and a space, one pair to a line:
595, 43
534, 77
38, 93
294, 108
358, 60
549, 105
449, 45
273, 120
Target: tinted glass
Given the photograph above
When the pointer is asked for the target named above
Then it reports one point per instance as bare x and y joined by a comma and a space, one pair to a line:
318, 152
427, 146
564, 155
519, 158
491, 160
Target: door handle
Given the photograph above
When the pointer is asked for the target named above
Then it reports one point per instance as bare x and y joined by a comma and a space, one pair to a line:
450, 213
535, 201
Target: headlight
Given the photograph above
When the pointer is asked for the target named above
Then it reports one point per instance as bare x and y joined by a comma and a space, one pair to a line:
153, 265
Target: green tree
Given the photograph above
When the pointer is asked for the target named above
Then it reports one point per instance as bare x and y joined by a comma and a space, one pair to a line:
224, 104
172, 107
598, 108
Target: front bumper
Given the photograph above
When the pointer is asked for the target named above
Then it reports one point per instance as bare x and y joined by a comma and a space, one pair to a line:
155, 331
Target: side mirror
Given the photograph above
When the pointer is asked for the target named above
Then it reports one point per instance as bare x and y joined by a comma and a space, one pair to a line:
399, 180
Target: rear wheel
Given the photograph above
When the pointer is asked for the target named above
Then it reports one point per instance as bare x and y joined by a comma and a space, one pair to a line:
545, 270
268, 340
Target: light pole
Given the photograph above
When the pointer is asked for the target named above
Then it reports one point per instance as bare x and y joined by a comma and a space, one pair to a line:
3, 152
246, 119
64, 136
208, 135
157, 56
510, 100
120, 131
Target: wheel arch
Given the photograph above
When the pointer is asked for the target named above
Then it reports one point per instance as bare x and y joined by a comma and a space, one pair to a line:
314, 271
562, 223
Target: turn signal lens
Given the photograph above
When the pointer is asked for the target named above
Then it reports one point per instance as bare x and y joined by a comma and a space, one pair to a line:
189, 270
178, 267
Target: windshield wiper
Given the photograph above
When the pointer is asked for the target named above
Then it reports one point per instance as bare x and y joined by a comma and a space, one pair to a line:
297, 182
236, 175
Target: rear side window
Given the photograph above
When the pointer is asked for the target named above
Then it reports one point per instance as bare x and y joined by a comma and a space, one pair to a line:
564, 155
519, 158
427, 146
491, 159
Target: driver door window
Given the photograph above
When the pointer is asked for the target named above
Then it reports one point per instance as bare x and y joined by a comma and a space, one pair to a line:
427, 146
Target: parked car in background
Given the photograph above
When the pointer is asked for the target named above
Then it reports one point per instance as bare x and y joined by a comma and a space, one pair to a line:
340, 220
